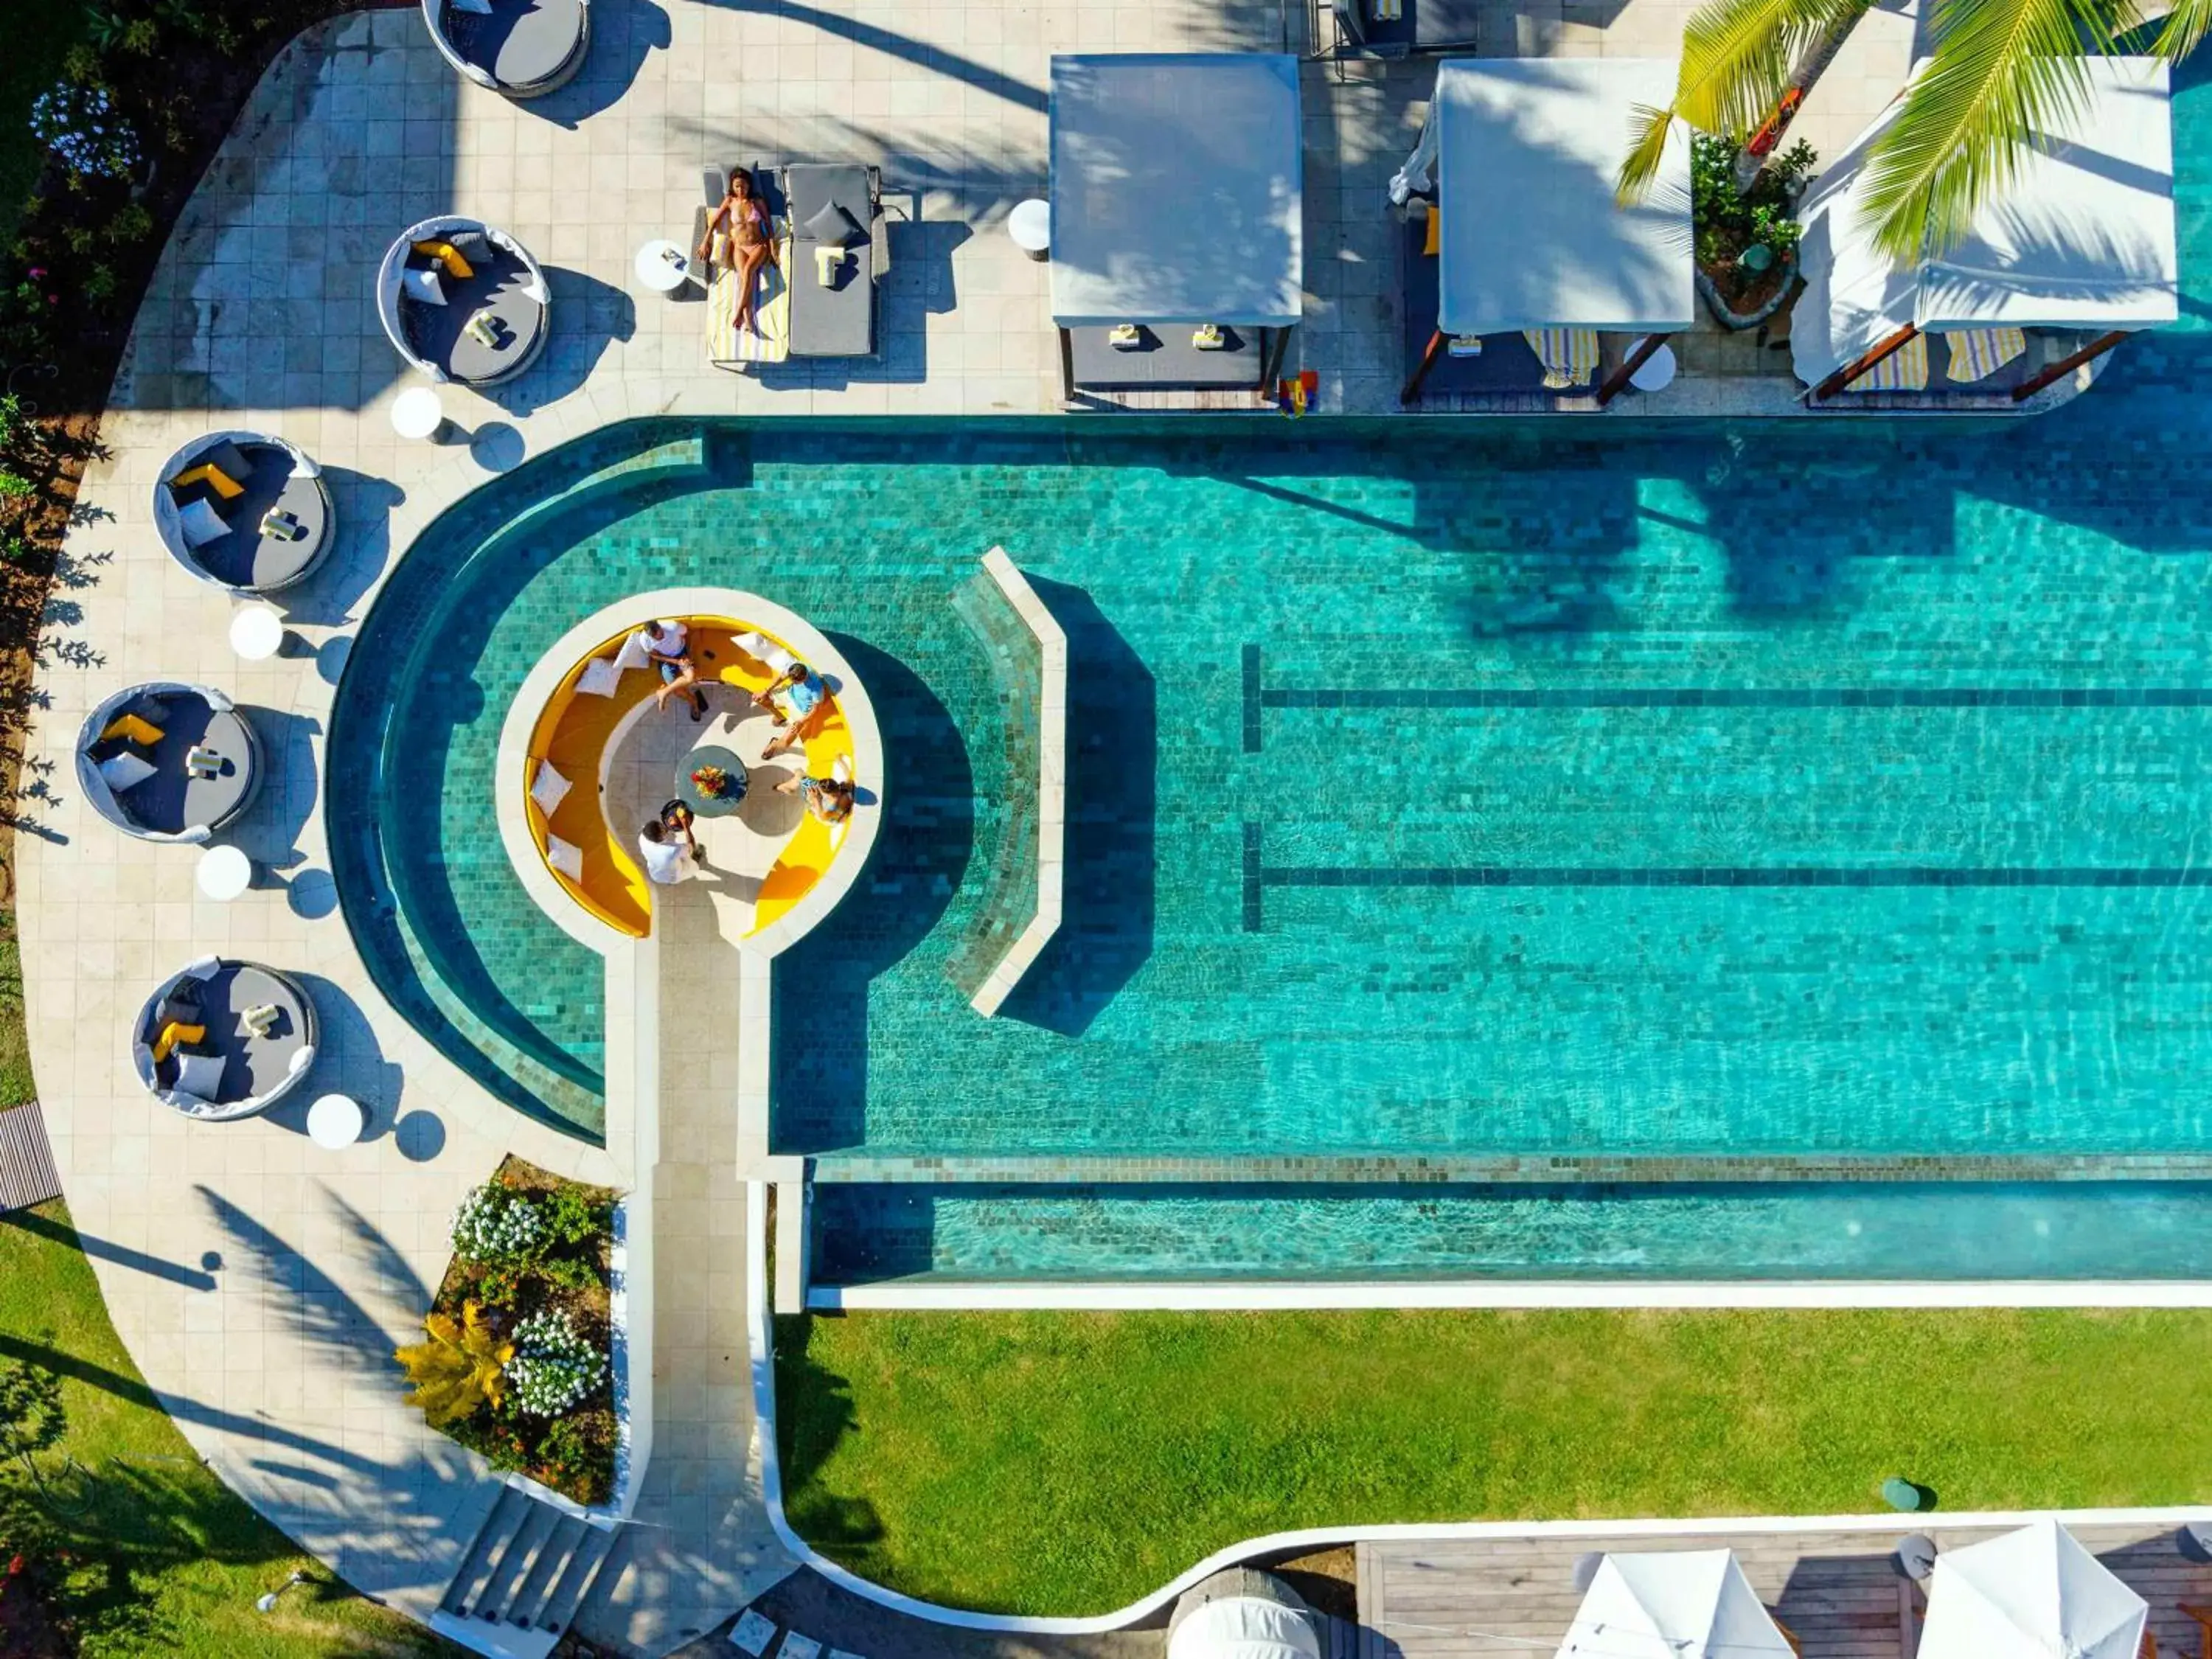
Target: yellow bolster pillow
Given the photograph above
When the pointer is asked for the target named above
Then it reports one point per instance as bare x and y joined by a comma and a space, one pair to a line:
1428, 243
214, 477
130, 727
172, 1035
446, 255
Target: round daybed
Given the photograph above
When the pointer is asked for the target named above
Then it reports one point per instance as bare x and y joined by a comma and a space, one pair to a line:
244, 511
1243, 1613
443, 274
224, 1039
523, 48
168, 762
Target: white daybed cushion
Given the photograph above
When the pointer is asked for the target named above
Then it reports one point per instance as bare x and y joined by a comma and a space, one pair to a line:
565, 857
125, 770
549, 788
422, 285
201, 523
599, 678
199, 1076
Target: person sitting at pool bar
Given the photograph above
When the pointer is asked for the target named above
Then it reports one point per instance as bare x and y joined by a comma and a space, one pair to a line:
667, 646
806, 700
829, 799
668, 861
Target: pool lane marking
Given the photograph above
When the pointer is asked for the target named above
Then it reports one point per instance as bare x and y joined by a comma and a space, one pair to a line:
1259, 875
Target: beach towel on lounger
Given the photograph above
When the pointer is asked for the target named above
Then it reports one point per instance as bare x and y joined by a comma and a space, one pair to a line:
1568, 356
1978, 353
769, 341
1904, 369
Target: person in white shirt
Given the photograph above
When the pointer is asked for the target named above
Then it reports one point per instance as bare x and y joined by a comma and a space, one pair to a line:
669, 859
667, 646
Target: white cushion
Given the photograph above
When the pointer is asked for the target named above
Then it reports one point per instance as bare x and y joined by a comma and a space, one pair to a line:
567, 858
125, 770
201, 523
764, 649
549, 788
482, 8
422, 285
633, 654
200, 1075
599, 678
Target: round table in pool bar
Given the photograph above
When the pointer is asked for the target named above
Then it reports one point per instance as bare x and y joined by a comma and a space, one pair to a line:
224, 873
335, 1121
706, 805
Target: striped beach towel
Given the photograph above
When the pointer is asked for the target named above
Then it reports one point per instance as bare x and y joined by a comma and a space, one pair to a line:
1978, 353
1904, 369
1568, 354
768, 339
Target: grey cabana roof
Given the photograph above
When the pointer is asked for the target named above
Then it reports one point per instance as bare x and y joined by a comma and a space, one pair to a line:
1528, 151
1175, 189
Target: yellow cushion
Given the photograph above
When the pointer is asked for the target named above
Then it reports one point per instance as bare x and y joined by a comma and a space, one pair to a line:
130, 727
1430, 242
214, 477
448, 256
172, 1035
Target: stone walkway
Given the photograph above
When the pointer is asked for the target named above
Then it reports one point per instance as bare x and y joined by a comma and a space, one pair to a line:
259, 1282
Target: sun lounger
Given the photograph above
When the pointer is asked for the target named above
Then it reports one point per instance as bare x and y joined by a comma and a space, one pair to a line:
834, 213
1978, 353
1904, 369
767, 338
1397, 28
1570, 355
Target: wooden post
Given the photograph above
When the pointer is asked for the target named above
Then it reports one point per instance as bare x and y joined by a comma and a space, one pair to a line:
2066, 365
1067, 367
1865, 360
1646, 350
1412, 389
1271, 360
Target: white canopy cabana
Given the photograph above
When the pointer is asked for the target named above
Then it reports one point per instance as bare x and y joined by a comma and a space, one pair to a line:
1176, 188
2082, 239
1243, 1613
1526, 151
1682, 1604
2034, 1593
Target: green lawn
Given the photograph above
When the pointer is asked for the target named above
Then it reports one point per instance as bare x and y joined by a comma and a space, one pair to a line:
39, 34
170, 1559
15, 1084
1066, 1463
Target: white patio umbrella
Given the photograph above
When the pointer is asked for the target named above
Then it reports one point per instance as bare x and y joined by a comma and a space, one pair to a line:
2034, 1593
1683, 1604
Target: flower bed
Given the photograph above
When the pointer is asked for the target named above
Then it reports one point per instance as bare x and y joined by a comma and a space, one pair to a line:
1747, 239
519, 1364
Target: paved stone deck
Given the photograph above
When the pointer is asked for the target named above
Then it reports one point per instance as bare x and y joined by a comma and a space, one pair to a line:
259, 1282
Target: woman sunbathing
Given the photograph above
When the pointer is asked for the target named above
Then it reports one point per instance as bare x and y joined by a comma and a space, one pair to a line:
743, 217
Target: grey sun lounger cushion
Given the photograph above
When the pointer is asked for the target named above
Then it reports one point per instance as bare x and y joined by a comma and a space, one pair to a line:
1164, 357
522, 43
439, 334
252, 1066
838, 321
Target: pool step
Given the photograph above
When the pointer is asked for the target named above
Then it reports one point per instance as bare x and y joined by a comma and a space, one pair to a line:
526, 1573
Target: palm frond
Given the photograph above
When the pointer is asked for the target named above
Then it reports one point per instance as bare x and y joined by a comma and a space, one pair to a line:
2184, 27
2003, 74
1737, 57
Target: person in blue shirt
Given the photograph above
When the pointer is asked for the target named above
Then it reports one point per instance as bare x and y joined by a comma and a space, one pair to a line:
804, 702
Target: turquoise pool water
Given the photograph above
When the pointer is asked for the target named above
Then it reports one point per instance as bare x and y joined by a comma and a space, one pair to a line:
1839, 788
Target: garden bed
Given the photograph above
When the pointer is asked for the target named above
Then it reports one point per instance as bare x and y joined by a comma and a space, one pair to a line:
533, 1255
1747, 239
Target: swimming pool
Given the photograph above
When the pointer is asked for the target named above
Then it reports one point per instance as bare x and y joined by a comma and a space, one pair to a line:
1576, 791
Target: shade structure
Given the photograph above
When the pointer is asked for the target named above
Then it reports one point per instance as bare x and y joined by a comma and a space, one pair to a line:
2033, 1594
2082, 238
1530, 234
1245, 1627
1176, 188
1681, 1604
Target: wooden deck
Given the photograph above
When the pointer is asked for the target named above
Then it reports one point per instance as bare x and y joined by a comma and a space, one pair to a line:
1836, 1592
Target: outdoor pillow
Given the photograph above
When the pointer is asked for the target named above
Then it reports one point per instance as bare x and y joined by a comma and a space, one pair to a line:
213, 476
130, 725
482, 8
201, 523
1433, 239
833, 227
174, 1032
549, 789
422, 285
179, 1009
565, 857
199, 1076
598, 679
471, 245
150, 709
448, 255
126, 770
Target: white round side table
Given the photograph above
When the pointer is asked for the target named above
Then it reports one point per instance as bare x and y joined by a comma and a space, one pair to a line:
662, 267
225, 872
257, 633
417, 414
335, 1121
1657, 372
1031, 226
